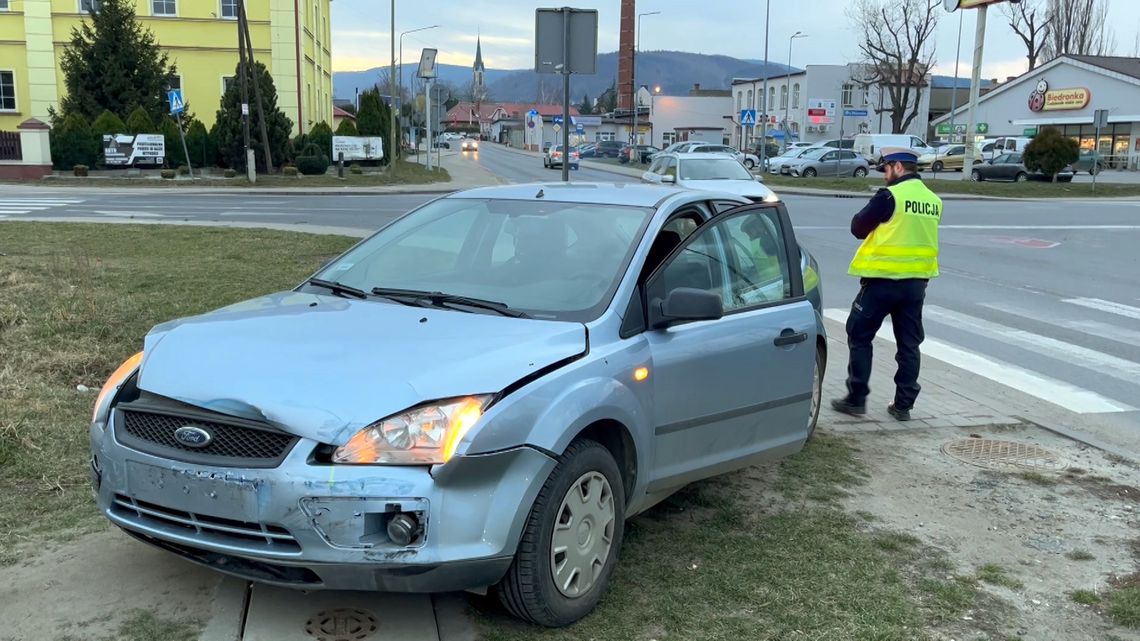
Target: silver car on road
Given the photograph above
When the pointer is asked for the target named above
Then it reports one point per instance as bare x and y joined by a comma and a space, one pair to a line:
827, 161
476, 396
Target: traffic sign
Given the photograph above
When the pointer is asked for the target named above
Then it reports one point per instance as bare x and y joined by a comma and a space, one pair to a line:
1029, 132
532, 113
557, 127
580, 128
557, 121
174, 97
747, 117
854, 113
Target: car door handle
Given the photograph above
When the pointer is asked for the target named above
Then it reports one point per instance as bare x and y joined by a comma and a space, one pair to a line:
790, 337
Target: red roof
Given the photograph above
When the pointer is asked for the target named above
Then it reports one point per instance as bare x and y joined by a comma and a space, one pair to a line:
341, 113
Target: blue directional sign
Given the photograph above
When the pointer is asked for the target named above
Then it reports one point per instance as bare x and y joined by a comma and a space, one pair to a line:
532, 113
558, 120
580, 128
174, 97
748, 117
854, 113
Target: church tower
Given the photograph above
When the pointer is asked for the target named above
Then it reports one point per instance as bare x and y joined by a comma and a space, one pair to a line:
478, 73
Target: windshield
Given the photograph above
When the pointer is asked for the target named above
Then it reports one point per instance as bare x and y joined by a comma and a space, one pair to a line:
551, 260
713, 169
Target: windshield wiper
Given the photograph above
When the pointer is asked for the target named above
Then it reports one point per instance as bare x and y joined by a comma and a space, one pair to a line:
338, 288
447, 301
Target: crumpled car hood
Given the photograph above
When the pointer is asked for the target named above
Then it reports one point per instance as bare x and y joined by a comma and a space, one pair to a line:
323, 367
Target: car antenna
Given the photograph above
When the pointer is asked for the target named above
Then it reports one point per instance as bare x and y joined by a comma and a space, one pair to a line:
540, 194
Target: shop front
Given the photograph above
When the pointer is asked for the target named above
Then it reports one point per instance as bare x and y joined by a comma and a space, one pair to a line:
1065, 94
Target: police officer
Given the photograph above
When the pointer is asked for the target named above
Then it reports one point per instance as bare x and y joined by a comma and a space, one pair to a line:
898, 257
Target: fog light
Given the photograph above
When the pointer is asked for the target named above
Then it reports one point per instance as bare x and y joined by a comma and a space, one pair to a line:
403, 529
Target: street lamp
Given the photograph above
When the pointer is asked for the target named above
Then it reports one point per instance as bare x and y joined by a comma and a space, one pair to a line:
788, 90
764, 97
636, 49
401, 99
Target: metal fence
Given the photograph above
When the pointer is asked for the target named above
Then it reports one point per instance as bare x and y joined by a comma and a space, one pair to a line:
10, 146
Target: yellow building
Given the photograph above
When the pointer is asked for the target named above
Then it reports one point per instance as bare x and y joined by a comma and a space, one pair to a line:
291, 37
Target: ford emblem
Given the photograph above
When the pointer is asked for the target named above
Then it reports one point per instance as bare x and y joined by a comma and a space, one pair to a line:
193, 436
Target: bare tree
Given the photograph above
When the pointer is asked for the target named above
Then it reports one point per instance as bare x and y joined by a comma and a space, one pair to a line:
1030, 20
897, 47
1078, 27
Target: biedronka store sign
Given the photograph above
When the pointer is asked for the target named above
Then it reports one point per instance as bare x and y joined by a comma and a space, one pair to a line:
1042, 99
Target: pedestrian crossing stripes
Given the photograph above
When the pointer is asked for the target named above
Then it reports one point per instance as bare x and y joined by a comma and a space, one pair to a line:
1106, 306
18, 206
1040, 385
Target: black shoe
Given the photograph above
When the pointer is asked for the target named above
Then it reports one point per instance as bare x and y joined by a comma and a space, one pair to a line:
900, 415
843, 407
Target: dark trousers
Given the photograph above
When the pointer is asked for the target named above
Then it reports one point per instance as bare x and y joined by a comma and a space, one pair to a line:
879, 298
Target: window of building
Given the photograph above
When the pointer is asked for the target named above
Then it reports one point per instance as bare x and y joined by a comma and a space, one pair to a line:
739, 100
867, 97
751, 102
89, 6
668, 138
771, 98
603, 136
784, 97
848, 96
163, 7
229, 9
227, 82
3, 5
796, 96
7, 90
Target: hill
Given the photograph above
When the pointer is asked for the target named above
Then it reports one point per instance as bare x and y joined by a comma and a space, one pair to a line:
674, 71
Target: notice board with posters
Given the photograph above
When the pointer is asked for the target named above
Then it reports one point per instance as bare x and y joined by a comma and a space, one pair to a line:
358, 147
127, 150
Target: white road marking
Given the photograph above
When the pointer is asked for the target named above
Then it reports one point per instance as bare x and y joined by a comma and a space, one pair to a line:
1092, 328
1070, 397
1106, 306
117, 213
16, 206
1099, 362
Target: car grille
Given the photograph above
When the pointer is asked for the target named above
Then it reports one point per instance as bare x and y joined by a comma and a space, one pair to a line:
258, 537
234, 443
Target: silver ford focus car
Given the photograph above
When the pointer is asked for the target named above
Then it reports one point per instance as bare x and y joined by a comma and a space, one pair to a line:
475, 397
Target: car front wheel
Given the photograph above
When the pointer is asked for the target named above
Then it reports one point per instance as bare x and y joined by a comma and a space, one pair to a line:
975, 176
570, 543
937, 166
809, 173
750, 164
860, 172
1022, 177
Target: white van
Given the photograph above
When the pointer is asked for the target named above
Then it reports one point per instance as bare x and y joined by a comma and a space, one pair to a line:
1008, 145
870, 146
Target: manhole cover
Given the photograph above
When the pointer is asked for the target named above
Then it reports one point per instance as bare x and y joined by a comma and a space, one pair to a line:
985, 452
341, 625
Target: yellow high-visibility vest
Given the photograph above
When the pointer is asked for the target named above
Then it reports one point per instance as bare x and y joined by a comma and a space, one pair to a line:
906, 246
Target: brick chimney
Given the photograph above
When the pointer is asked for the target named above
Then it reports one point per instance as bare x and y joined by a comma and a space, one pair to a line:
625, 54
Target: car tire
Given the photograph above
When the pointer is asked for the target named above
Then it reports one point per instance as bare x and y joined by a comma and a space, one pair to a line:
528, 590
750, 164
809, 173
860, 172
817, 389
1095, 169
937, 166
1021, 177
976, 177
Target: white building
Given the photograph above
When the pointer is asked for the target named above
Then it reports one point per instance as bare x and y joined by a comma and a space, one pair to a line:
789, 98
1065, 93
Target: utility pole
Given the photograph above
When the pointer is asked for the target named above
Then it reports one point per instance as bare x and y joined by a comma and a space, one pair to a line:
566, 95
636, 102
256, 87
979, 47
764, 96
957, 58
394, 142
250, 160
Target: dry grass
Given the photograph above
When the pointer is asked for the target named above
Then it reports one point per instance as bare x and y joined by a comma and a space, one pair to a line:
75, 300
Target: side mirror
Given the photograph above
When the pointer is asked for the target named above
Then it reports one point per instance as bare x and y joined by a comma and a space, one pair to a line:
685, 304
668, 180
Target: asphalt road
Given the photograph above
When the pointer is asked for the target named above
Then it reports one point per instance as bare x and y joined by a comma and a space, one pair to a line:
1044, 297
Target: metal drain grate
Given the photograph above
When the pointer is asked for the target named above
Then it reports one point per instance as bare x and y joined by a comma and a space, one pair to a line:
341, 625
985, 452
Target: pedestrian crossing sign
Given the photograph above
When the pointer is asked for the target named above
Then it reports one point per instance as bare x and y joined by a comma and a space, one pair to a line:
748, 117
174, 97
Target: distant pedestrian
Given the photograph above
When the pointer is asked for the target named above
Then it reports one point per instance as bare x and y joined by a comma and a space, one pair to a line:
898, 257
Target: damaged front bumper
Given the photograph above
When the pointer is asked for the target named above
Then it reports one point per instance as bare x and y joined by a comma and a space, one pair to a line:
311, 525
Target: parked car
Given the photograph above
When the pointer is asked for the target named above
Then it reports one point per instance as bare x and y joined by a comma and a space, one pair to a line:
870, 146
553, 158
642, 154
837, 143
771, 150
782, 164
826, 161
1090, 161
475, 397
1009, 167
799, 145
948, 157
608, 149
587, 150
546, 146
748, 160
707, 171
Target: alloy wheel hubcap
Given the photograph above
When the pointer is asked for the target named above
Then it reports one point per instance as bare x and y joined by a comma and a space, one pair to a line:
583, 535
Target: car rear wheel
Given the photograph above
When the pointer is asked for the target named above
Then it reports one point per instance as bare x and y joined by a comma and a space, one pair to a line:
809, 173
816, 389
860, 172
937, 165
1022, 177
976, 177
570, 542
1095, 169
750, 164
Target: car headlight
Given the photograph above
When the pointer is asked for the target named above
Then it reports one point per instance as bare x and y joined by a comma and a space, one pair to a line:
116, 380
424, 435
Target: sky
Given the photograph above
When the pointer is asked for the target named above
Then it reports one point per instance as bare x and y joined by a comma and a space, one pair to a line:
361, 32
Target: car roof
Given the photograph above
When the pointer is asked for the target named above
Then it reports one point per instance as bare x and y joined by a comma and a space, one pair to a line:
695, 155
629, 194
